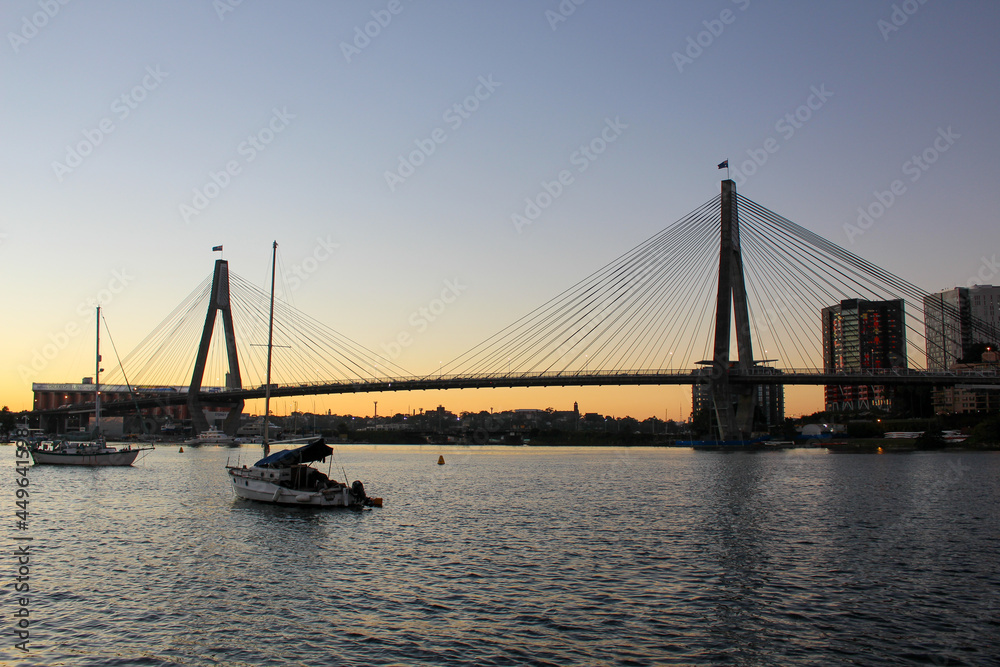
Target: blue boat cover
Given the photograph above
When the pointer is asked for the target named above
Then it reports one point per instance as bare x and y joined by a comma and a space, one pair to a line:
317, 450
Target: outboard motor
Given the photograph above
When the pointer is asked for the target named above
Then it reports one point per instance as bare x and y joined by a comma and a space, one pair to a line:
358, 490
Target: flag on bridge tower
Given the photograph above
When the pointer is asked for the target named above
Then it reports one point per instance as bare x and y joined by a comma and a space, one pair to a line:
725, 165
217, 248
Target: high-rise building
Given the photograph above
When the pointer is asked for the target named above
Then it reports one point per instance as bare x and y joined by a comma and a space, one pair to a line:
985, 305
947, 327
957, 319
861, 335
770, 401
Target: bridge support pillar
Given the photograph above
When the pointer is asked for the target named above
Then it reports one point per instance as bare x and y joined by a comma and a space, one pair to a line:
218, 302
734, 404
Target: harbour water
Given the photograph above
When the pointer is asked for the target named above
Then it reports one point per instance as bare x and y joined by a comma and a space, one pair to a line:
517, 556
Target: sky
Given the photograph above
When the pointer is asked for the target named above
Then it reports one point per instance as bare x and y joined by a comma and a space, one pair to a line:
392, 148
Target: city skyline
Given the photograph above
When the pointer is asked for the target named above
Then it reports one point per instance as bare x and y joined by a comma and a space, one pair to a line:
391, 171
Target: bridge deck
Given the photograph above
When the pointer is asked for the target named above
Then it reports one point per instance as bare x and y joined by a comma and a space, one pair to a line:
888, 377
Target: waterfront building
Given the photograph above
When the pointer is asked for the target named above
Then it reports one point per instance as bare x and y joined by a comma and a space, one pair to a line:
968, 397
985, 304
947, 327
770, 400
860, 335
49, 396
956, 320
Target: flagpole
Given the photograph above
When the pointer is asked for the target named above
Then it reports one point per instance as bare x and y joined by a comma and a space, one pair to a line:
725, 163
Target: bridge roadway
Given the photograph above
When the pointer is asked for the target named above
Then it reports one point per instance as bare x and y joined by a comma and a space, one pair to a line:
761, 375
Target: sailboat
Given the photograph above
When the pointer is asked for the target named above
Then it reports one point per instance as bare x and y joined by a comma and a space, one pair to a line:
285, 477
94, 453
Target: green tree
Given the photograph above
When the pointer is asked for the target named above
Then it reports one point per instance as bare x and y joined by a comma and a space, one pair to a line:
930, 439
8, 420
986, 432
975, 353
701, 422
864, 429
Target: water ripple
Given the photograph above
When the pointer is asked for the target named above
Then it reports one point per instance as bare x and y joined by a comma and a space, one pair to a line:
524, 556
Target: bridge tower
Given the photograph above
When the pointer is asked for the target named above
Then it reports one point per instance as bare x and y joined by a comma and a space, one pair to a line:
734, 403
219, 301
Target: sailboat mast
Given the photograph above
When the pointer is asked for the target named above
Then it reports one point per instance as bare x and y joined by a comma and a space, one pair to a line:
97, 377
270, 345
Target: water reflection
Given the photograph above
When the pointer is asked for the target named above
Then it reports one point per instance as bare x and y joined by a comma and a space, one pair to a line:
735, 524
526, 555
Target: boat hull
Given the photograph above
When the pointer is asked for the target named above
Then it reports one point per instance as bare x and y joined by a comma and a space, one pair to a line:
118, 458
248, 485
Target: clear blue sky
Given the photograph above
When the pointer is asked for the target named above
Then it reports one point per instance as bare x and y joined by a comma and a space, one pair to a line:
338, 112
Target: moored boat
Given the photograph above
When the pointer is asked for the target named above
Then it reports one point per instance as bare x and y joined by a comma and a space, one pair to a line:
213, 436
61, 452
92, 453
286, 478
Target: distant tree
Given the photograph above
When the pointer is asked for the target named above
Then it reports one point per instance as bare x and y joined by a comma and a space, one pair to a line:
8, 420
975, 353
930, 439
986, 432
787, 429
864, 429
913, 402
701, 422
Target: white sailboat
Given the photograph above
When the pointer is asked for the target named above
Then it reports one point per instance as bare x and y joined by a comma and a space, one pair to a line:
95, 453
285, 477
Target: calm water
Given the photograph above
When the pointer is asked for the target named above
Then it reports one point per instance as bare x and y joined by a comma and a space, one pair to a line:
510, 556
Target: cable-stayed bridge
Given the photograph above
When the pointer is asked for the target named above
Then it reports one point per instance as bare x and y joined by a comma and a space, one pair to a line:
730, 296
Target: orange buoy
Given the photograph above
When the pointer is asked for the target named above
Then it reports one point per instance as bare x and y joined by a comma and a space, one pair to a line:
181, 451
441, 460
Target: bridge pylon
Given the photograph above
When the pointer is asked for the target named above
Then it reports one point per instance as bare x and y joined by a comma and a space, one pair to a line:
218, 302
734, 403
